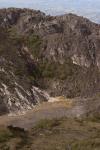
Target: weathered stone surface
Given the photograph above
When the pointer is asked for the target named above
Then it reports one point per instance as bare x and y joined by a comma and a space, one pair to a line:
60, 55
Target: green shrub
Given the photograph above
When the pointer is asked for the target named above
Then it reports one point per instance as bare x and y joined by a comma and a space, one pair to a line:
34, 43
47, 124
5, 136
57, 70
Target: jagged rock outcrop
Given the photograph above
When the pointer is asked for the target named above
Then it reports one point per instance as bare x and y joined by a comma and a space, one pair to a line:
17, 91
60, 55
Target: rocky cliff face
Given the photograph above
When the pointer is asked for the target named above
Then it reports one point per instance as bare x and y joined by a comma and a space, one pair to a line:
59, 55
17, 90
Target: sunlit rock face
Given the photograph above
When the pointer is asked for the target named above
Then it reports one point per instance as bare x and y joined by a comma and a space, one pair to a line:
46, 56
18, 93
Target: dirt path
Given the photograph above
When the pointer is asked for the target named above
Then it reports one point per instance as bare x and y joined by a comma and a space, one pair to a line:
55, 108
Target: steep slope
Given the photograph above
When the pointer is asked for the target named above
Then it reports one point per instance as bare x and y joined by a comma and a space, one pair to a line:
17, 91
59, 54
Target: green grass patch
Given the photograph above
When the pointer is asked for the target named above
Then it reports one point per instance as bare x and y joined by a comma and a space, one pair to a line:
47, 124
5, 135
